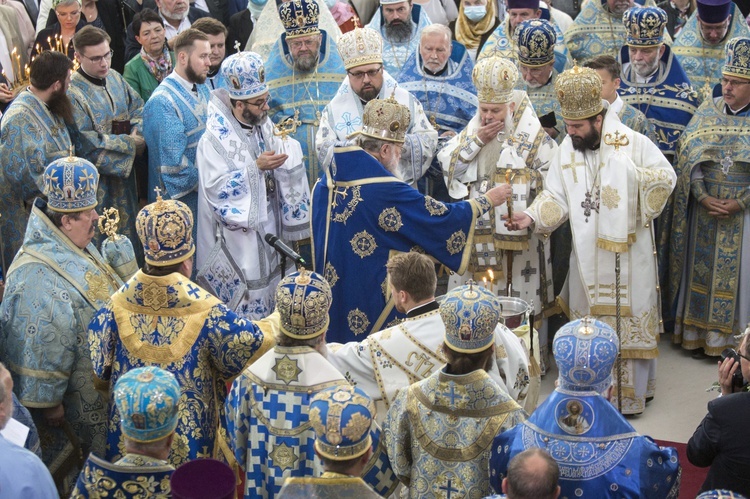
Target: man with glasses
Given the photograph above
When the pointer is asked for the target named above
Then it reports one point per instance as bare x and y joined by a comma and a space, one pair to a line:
709, 250
108, 113
252, 183
362, 52
174, 119
700, 44
304, 71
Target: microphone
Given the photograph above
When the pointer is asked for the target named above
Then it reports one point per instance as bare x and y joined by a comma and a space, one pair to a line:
285, 250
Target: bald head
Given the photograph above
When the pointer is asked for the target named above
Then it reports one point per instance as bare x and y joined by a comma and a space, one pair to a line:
532, 474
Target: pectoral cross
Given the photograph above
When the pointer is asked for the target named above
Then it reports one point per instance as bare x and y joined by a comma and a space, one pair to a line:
726, 163
589, 205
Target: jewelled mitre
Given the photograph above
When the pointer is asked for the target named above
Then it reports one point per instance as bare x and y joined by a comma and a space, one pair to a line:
470, 314
303, 299
645, 26
535, 39
385, 119
579, 91
147, 399
70, 185
245, 75
585, 351
341, 417
165, 229
737, 59
300, 18
495, 78
359, 47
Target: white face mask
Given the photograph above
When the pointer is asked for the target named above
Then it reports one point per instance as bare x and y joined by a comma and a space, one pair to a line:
331, 3
475, 12
255, 9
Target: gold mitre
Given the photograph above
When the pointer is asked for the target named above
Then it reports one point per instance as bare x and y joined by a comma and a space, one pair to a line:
495, 78
359, 47
579, 91
386, 120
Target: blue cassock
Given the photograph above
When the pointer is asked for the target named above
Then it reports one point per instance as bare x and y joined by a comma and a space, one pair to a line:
307, 92
668, 101
396, 54
599, 453
362, 214
132, 477
173, 122
450, 98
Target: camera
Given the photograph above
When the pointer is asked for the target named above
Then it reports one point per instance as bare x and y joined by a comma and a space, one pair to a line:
737, 379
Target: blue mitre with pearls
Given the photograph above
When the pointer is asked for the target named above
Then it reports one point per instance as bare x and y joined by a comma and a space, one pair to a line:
147, 399
645, 26
342, 417
535, 39
471, 314
737, 59
585, 351
70, 185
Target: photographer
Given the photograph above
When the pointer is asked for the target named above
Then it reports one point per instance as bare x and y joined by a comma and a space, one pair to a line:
723, 437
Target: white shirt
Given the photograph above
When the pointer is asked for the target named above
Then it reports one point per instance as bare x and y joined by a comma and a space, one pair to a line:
170, 31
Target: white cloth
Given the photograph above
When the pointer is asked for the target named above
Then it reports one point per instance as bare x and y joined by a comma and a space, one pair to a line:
343, 116
232, 198
44, 7
394, 358
563, 20
590, 286
440, 11
5, 59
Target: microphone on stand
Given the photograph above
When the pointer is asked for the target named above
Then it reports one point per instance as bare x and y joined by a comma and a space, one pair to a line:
285, 250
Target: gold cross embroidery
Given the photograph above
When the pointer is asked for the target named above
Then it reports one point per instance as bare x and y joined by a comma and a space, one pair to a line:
572, 166
617, 141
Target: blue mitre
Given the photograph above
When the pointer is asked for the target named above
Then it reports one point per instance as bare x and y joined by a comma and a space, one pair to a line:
303, 300
165, 229
585, 351
300, 18
737, 60
342, 417
535, 39
70, 185
471, 314
645, 26
147, 399
243, 75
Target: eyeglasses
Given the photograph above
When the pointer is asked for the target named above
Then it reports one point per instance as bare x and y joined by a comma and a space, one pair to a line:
100, 58
361, 74
68, 15
298, 44
259, 105
734, 83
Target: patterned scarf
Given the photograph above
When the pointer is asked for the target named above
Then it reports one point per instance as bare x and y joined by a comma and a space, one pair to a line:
160, 67
469, 33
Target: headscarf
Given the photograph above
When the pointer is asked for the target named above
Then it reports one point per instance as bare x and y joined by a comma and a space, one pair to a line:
469, 33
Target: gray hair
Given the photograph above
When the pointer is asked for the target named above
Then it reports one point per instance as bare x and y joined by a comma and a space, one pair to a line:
532, 483
437, 29
369, 143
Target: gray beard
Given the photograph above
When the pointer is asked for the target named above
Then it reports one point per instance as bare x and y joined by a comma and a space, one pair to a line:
398, 33
306, 63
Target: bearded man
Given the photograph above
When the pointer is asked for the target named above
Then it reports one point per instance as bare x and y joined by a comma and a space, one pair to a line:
33, 133
400, 23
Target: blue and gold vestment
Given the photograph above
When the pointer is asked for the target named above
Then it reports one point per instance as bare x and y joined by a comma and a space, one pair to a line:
668, 100
31, 137
599, 453
172, 323
268, 421
174, 119
449, 100
329, 485
306, 92
361, 215
396, 54
702, 62
440, 430
132, 477
707, 255
53, 289
95, 107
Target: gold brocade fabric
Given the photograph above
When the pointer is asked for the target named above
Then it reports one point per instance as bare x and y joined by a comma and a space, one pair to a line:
470, 33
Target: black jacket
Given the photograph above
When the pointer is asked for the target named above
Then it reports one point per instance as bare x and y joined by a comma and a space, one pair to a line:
722, 441
240, 29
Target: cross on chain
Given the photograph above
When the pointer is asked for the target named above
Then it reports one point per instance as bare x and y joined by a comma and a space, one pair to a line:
572, 166
528, 271
235, 151
726, 164
589, 205
448, 488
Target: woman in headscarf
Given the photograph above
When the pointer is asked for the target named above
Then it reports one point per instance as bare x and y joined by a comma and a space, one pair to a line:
476, 22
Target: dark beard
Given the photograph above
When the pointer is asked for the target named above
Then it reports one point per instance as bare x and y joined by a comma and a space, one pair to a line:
306, 63
368, 94
588, 142
194, 77
399, 32
253, 119
59, 104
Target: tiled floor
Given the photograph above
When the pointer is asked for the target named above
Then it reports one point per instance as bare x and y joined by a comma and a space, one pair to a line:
681, 396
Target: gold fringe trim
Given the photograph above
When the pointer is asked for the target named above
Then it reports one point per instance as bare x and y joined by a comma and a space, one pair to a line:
512, 245
640, 354
706, 326
609, 310
611, 246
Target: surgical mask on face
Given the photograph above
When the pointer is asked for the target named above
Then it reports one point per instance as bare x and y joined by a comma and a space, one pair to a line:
255, 9
475, 12
331, 3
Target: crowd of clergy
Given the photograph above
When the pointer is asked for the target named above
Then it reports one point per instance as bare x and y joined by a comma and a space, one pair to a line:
224, 225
